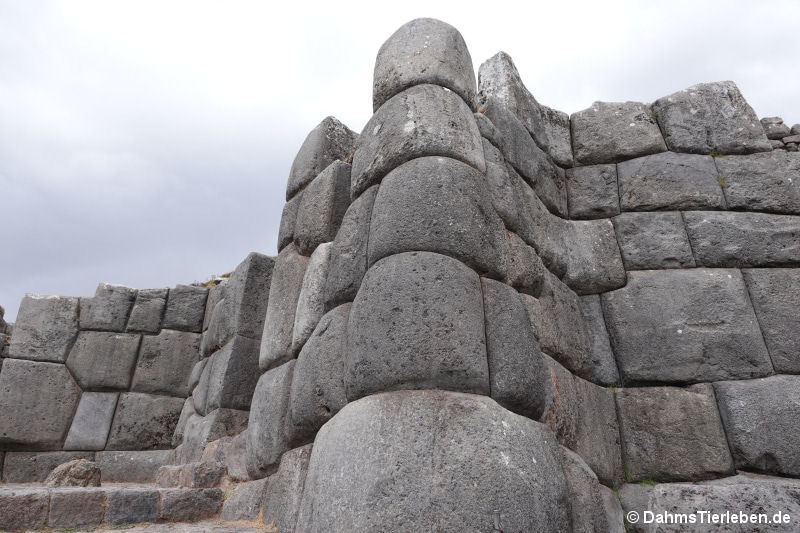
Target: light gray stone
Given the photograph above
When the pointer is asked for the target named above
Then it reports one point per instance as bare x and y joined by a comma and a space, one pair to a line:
425, 120
131, 505
34, 467
329, 141
774, 128
685, 326
148, 308
37, 401
131, 466
708, 118
424, 50
491, 137
75, 473
283, 496
267, 429
795, 129
613, 510
653, 241
592, 191
92, 421
417, 323
232, 376
45, 329
22, 508
409, 460
504, 194
777, 145
108, 309
562, 332
609, 132
184, 505
669, 181
311, 302
197, 373
288, 219
324, 203
102, 360
186, 307
760, 418
793, 139
143, 422
541, 229
762, 182
215, 294
602, 367
594, 263
525, 270
166, 362
200, 431
586, 504
186, 413
437, 204
744, 239
244, 501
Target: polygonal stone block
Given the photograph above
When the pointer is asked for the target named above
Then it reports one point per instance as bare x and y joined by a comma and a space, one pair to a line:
35, 467
775, 128
593, 191
324, 203
229, 377
182, 505
147, 311
23, 508
143, 422
245, 501
288, 219
186, 307
311, 302
525, 270
45, 329
653, 240
586, 502
593, 260
602, 367
108, 309
78, 507
284, 494
561, 330
166, 362
762, 182
267, 435
92, 421
131, 506
202, 430
102, 361
131, 466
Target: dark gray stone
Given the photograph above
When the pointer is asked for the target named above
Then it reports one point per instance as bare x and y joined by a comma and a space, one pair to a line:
653, 241
34, 467
131, 466
288, 219
562, 332
594, 263
504, 194
541, 229
424, 50
672, 434
437, 204
685, 326
669, 181
794, 139
760, 418
166, 362
710, 118
102, 361
324, 203
92, 421
744, 239
417, 323
586, 504
311, 302
525, 270
45, 329
283, 497
774, 128
609, 132
602, 368
71, 508
186, 307
232, 376
22, 508
593, 191
131, 505
244, 501
147, 311
75, 473
410, 461
188, 505
329, 141
268, 427
775, 293
37, 401
143, 422
108, 309
762, 182
186, 413
425, 120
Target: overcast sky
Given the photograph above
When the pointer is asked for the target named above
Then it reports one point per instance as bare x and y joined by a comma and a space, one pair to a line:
148, 143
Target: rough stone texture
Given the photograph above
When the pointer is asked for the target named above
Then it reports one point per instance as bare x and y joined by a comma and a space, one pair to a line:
186, 307
525, 270
422, 51
144, 421
92, 421
653, 241
593, 259
774, 128
710, 118
37, 401
166, 362
762, 182
329, 141
202, 430
76, 508
75, 473
245, 500
539, 228
561, 330
229, 378
267, 435
284, 291
609, 132
131, 466
288, 219
186, 413
202, 475
775, 293
324, 203
518, 375
425, 120
503, 190
760, 418
22, 508
499, 79
744, 239
685, 326
33, 467
602, 367
593, 191
672, 434
45, 329
417, 323
147, 311
437, 204
587, 507
181, 505
283, 497
669, 181
613, 510
131, 506
419, 454
108, 309
102, 361
235, 457
311, 302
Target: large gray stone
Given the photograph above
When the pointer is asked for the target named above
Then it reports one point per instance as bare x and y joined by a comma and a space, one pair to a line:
498, 78
424, 50
187, 412
23, 508
284, 291
166, 362
613, 510
602, 367
329, 141
775, 293
425, 120
148, 309
267, 429
143, 422
411, 461
311, 302
45, 329
504, 193
200, 431
710, 118
594, 263
586, 504
609, 132
324, 203
108, 309
672, 434
762, 182
92, 421
72, 508
75, 473
186, 307
593, 191
541, 229
34, 467
653, 241
525, 269
744, 239
131, 466
131, 505
288, 219
685, 326
669, 181
562, 332
229, 377
760, 418
283, 496
437, 204
244, 501
417, 323
775, 128
184, 505
101, 361
37, 401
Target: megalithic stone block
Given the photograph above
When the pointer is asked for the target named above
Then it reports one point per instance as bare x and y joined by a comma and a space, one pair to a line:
92, 421
103, 361
166, 362
186, 307
45, 329
144, 422
322, 207
288, 219
148, 310
762, 182
285, 491
311, 302
229, 377
108, 309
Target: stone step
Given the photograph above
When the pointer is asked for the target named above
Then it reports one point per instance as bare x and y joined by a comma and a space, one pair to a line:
193, 475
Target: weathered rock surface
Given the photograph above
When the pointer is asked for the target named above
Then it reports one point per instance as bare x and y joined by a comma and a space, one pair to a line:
181, 505
587, 508
34, 467
561, 330
22, 508
75, 473
200, 431
244, 501
288, 219
267, 429
108, 309
186, 307
131, 506
131, 466
45, 329
762, 182
102, 361
230, 377
148, 309
653, 241
592, 191
92, 421
774, 128
602, 366
166, 362
322, 207
593, 259
144, 421
524, 269
505, 194
283, 496
311, 301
